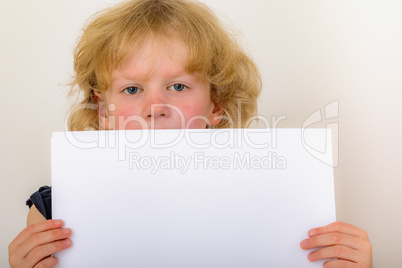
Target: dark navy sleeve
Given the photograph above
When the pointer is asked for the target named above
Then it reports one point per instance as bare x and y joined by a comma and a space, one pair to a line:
42, 199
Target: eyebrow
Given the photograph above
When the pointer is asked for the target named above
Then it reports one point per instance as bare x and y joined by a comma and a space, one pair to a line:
126, 78
173, 75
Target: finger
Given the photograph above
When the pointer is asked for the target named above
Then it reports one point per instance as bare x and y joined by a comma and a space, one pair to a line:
42, 238
41, 252
341, 252
35, 228
339, 263
15, 245
331, 239
47, 262
339, 227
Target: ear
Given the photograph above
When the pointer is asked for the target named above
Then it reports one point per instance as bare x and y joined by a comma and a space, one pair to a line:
216, 114
102, 111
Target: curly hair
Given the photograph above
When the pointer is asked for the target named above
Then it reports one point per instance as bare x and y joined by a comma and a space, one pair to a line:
111, 35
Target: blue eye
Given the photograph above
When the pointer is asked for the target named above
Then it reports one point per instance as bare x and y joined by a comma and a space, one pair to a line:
178, 87
131, 90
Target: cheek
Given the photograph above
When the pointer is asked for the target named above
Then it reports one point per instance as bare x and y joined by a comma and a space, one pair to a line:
198, 114
122, 112
126, 118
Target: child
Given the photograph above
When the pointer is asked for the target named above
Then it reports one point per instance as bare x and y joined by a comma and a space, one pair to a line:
164, 64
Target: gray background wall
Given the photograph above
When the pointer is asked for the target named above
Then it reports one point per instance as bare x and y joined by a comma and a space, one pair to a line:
311, 53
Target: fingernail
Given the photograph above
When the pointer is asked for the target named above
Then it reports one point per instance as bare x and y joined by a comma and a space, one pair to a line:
312, 232
57, 222
67, 242
66, 231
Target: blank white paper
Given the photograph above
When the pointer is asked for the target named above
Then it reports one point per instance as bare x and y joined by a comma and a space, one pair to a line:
191, 198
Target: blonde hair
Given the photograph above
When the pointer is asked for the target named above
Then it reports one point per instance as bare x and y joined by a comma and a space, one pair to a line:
114, 33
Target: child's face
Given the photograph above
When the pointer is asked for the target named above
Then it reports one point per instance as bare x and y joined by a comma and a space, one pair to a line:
152, 90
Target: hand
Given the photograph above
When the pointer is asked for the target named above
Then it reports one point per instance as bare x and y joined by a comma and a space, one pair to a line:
340, 240
34, 246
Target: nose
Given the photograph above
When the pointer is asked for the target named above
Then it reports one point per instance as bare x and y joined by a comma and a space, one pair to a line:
156, 105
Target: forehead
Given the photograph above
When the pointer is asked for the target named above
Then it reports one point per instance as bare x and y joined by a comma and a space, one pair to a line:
148, 56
